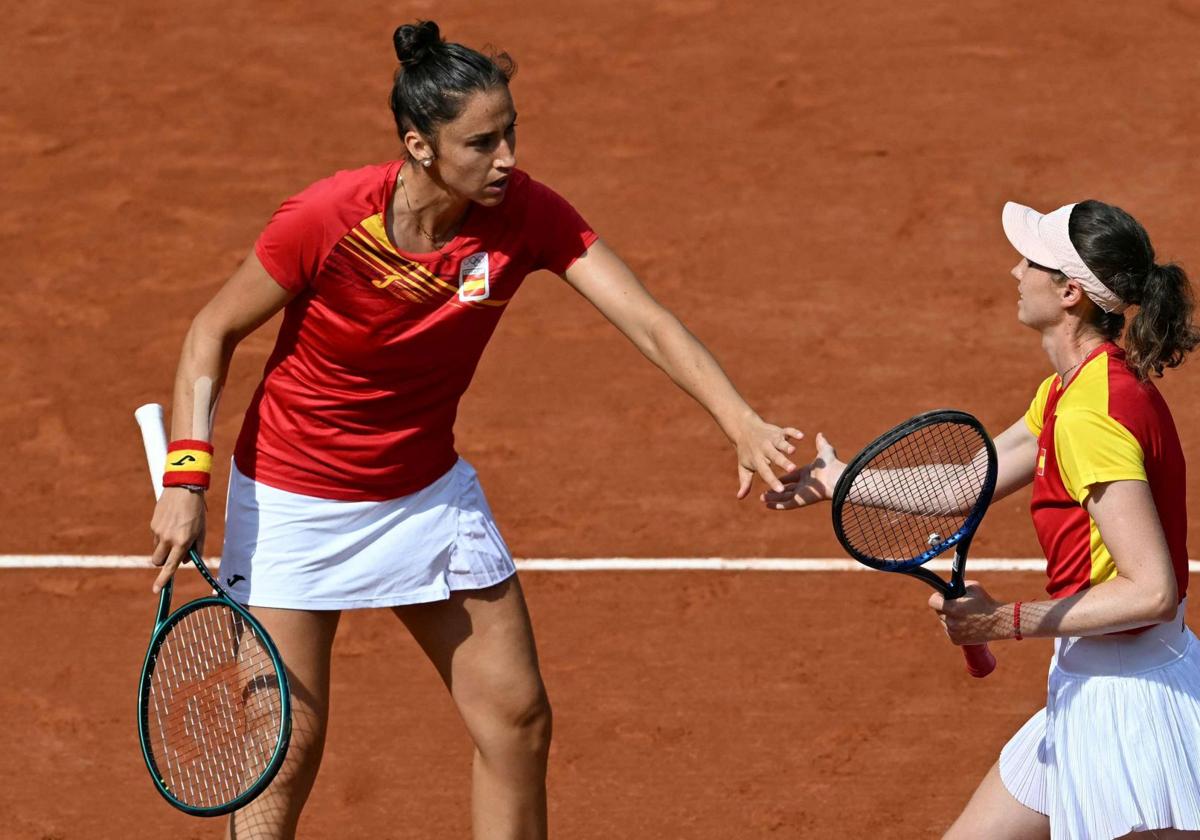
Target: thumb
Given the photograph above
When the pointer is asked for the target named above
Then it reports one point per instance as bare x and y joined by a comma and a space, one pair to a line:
824, 447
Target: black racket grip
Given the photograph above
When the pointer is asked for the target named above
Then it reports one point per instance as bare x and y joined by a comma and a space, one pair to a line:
980, 661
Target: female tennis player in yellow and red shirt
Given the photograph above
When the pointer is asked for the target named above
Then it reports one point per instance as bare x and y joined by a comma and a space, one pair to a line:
1116, 750
346, 490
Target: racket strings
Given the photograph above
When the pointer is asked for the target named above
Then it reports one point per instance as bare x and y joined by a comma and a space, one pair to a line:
214, 707
916, 495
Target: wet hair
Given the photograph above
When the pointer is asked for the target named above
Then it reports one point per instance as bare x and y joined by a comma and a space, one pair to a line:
435, 77
1118, 251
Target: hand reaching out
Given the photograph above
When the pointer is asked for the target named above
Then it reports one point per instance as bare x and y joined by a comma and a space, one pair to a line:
761, 445
809, 484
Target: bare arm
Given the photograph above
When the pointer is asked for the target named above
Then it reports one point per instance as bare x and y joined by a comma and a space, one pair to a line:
247, 300
1143, 592
610, 286
1016, 459
1016, 456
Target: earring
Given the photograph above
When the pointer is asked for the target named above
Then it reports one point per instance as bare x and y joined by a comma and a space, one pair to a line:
427, 162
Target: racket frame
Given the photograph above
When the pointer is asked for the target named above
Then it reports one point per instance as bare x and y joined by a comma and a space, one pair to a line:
164, 620
960, 540
980, 661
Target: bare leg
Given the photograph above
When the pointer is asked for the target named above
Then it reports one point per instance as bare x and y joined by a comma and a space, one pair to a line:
481, 643
993, 813
304, 639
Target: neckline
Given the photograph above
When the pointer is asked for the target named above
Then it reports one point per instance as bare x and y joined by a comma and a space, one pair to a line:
421, 256
1096, 351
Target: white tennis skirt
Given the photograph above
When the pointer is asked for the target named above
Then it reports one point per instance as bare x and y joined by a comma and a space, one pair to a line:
286, 550
1117, 748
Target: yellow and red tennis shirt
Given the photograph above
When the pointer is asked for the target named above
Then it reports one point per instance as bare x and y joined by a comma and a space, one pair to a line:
1105, 425
359, 397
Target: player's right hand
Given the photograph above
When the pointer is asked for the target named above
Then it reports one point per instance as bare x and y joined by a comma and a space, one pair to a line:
809, 484
178, 524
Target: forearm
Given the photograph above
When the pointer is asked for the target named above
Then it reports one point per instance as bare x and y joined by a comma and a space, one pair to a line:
930, 490
203, 365
1115, 605
679, 354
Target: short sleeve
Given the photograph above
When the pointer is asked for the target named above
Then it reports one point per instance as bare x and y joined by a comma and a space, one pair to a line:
298, 238
1093, 448
559, 234
1037, 408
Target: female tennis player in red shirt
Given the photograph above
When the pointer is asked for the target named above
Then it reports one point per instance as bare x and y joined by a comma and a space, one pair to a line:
1116, 750
346, 490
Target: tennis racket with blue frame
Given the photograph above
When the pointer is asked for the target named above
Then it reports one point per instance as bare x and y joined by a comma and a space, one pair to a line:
214, 708
915, 492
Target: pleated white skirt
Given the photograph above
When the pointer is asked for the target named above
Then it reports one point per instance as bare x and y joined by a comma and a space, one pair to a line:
1117, 748
287, 550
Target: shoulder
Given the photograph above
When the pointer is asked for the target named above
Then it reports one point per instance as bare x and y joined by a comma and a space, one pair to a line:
1137, 404
1034, 416
1109, 386
306, 227
366, 186
1043, 389
528, 194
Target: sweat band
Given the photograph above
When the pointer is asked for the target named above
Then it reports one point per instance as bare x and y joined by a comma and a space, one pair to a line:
189, 462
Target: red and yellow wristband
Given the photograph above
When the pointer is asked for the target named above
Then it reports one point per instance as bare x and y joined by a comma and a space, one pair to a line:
189, 464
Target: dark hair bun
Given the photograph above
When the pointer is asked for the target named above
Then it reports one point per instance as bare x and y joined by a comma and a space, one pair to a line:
415, 41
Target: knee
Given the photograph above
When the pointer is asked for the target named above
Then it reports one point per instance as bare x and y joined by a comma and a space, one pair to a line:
519, 721
307, 742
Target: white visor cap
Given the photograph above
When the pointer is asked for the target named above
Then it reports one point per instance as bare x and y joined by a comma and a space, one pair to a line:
1046, 240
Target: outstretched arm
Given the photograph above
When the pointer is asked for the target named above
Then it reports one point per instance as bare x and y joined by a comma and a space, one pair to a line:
602, 278
1016, 454
247, 300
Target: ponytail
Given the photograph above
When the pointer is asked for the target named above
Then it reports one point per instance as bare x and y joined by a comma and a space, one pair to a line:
1162, 332
1117, 249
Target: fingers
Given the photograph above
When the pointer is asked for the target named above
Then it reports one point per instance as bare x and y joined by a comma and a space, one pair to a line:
763, 469
798, 474
178, 553
782, 444
780, 460
781, 501
745, 477
161, 549
769, 477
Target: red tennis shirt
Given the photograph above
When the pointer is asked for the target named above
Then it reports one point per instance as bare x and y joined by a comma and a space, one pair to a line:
359, 397
1106, 425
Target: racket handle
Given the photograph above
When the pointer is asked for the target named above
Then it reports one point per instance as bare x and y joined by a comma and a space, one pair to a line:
154, 438
980, 661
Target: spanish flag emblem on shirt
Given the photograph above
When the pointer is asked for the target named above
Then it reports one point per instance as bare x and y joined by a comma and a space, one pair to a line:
473, 278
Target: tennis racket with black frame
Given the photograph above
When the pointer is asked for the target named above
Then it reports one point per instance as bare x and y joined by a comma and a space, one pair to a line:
915, 492
214, 708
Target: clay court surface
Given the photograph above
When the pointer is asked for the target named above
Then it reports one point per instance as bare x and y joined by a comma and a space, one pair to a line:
813, 187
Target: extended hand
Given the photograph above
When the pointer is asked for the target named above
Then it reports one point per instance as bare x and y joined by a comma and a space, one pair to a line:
809, 484
759, 446
972, 619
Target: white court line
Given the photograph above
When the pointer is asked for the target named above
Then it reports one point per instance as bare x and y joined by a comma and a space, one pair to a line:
584, 564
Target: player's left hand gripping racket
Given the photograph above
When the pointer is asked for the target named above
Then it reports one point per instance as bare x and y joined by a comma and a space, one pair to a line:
915, 492
214, 712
